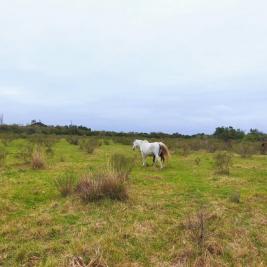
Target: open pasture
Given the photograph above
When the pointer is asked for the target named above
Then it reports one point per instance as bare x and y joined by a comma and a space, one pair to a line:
183, 215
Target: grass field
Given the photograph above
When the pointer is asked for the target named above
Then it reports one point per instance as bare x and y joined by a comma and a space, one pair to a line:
183, 215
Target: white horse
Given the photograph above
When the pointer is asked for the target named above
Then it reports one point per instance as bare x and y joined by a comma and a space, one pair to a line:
158, 150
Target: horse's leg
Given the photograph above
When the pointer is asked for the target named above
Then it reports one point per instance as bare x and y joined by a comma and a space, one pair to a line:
159, 160
144, 159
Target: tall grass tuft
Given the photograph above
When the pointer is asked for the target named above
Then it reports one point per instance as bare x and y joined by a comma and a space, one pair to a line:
107, 184
38, 161
89, 145
223, 162
122, 165
3, 155
66, 183
73, 140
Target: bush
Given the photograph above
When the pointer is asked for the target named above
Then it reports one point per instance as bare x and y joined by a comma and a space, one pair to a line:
185, 150
73, 140
197, 161
223, 162
106, 142
102, 185
66, 183
26, 153
235, 197
38, 161
246, 150
89, 145
3, 155
122, 165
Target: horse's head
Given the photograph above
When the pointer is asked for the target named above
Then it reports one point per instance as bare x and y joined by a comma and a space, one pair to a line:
135, 144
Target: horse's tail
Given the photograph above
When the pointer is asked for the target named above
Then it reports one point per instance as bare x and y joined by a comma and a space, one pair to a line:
164, 151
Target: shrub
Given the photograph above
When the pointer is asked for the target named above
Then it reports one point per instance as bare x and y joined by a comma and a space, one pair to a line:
89, 145
65, 184
185, 149
102, 185
49, 151
106, 142
235, 197
3, 155
122, 165
223, 162
123, 140
38, 161
73, 140
197, 161
26, 153
246, 150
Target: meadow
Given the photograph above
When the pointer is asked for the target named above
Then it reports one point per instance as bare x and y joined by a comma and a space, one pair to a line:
187, 214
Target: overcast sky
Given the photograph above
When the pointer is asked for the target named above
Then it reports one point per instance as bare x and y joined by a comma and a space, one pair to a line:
145, 65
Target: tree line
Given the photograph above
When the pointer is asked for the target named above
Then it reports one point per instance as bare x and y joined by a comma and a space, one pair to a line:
223, 133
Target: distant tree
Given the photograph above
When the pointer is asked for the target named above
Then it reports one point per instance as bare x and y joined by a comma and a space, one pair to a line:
255, 135
228, 133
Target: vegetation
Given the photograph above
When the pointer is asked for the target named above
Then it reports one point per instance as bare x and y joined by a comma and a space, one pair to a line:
223, 162
74, 211
122, 165
66, 183
38, 161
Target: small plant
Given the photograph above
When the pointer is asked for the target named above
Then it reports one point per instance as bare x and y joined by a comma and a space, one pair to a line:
102, 185
197, 161
235, 197
122, 165
38, 161
49, 151
185, 150
106, 142
246, 150
66, 183
223, 162
3, 155
73, 140
89, 145
26, 153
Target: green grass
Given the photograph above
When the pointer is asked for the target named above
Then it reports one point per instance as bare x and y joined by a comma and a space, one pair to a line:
38, 227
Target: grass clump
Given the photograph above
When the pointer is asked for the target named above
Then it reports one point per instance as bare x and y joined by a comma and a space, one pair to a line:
73, 140
89, 145
223, 162
38, 160
66, 183
122, 165
108, 184
235, 197
3, 155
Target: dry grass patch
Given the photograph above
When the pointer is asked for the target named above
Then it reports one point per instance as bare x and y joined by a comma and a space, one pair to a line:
223, 162
66, 183
108, 184
122, 165
97, 260
38, 160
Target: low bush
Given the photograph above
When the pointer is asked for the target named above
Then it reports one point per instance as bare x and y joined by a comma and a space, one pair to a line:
26, 152
66, 183
89, 145
197, 161
3, 155
122, 165
73, 140
102, 185
235, 197
223, 162
246, 150
38, 161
